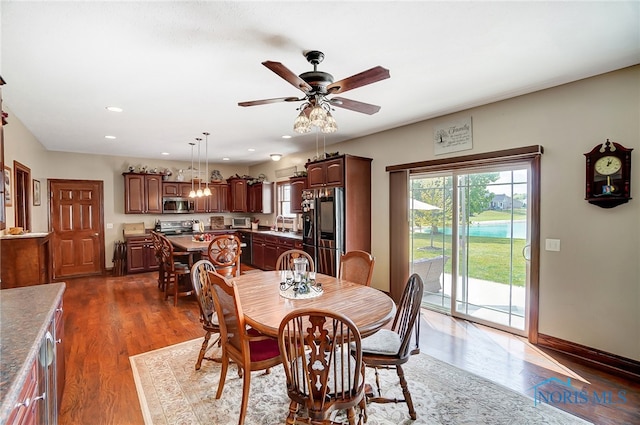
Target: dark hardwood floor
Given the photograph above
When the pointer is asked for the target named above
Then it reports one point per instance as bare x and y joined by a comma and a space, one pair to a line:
108, 319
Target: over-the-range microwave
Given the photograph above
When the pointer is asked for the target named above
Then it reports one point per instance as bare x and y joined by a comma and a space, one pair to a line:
177, 205
240, 223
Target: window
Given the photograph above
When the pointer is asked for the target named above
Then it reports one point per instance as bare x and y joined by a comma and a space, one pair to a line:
284, 200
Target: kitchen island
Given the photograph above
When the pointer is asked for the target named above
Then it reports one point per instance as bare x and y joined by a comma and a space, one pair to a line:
30, 319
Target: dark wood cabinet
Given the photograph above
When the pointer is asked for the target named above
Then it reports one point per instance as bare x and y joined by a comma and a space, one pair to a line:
217, 202
26, 260
266, 248
353, 175
326, 173
141, 256
36, 402
298, 185
60, 363
260, 198
257, 250
237, 195
176, 189
142, 193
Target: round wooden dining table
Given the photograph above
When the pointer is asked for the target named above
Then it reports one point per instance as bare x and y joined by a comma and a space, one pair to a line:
264, 308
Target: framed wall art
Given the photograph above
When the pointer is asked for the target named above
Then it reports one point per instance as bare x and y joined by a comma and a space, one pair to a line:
7, 186
452, 136
36, 192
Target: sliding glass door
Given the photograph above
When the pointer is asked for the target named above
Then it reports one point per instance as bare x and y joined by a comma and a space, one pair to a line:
470, 233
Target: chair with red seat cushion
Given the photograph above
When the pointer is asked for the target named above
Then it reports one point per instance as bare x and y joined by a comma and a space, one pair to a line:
248, 348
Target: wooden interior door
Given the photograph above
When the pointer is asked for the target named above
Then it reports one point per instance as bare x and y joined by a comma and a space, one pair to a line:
77, 220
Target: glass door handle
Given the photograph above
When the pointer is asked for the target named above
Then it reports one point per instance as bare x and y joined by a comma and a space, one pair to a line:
526, 252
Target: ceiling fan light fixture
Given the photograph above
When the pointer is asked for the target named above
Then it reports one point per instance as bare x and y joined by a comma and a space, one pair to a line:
330, 124
276, 157
318, 116
302, 124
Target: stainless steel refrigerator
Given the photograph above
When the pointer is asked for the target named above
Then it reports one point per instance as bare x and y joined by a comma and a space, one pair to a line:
323, 229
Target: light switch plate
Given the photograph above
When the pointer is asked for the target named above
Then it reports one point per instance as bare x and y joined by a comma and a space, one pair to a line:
552, 244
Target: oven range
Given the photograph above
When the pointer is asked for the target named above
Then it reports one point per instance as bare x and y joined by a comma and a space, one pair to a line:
175, 227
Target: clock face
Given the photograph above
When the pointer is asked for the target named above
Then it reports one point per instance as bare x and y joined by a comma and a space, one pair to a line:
608, 165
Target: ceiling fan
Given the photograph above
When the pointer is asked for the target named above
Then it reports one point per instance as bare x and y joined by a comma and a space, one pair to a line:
317, 85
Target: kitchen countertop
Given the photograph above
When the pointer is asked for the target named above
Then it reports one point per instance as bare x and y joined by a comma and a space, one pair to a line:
25, 314
26, 235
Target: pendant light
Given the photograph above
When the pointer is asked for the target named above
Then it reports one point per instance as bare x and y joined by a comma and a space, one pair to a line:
199, 191
207, 191
192, 194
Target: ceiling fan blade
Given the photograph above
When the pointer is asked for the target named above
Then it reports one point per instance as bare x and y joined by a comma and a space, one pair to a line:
267, 101
354, 105
289, 76
362, 79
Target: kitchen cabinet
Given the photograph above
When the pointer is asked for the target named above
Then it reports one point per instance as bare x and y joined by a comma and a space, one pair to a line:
260, 198
142, 193
176, 189
353, 175
32, 344
257, 250
217, 202
298, 185
270, 252
26, 260
141, 255
237, 195
266, 248
326, 173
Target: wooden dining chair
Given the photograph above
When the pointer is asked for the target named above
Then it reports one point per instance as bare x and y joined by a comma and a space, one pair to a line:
177, 273
224, 253
322, 374
285, 260
357, 266
157, 249
390, 348
245, 346
208, 316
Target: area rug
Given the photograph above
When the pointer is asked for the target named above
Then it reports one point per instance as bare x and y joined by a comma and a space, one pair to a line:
172, 392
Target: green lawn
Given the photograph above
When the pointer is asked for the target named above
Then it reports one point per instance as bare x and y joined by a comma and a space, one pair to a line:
490, 260
490, 215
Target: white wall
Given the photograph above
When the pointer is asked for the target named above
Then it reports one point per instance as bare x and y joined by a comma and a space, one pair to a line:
589, 291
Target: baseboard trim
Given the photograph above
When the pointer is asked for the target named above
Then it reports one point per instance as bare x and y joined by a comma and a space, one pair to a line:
608, 362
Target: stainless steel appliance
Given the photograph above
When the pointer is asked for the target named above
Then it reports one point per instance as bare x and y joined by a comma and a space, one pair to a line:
323, 229
175, 227
240, 223
177, 205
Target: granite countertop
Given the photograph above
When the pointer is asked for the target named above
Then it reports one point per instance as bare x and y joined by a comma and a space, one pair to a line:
26, 235
290, 235
25, 314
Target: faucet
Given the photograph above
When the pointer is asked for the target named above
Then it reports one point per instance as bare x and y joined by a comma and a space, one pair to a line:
277, 217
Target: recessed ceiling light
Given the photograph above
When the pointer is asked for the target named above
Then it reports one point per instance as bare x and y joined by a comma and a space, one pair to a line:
286, 136
164, 153
113, 109
251, 150
225, 159
109, 137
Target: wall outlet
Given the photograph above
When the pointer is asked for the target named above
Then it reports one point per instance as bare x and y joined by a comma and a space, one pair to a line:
552, 244
109, 225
